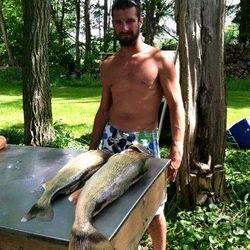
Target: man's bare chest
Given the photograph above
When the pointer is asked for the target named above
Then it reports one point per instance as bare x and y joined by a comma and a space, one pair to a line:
140, 74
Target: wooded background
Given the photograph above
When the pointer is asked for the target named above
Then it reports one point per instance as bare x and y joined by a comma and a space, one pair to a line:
81, 31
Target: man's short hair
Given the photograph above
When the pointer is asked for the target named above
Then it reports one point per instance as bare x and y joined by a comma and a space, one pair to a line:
124, 4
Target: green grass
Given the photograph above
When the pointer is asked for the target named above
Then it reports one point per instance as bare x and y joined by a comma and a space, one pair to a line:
238, 84
238, 106
238, 100
74, 107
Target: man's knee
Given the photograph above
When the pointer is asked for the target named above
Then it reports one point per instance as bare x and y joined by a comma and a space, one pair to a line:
158, 221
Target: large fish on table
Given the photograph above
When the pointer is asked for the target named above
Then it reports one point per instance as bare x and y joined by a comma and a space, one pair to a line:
106, 185
68, 179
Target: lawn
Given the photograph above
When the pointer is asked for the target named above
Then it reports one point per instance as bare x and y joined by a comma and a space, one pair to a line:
238, 106
75, 107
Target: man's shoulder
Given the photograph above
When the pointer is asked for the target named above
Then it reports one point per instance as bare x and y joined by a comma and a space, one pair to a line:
109, 61
159, 55
164, 60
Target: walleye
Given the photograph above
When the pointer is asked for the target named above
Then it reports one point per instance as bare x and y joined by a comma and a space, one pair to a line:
68, 179
106, 185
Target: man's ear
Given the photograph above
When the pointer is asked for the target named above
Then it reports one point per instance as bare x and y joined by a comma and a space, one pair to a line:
141, 22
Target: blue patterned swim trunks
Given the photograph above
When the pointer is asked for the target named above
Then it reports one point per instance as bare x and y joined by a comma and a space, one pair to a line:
116, 140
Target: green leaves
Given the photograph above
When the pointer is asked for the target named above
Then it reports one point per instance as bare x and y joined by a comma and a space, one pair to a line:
218, 226
214, 227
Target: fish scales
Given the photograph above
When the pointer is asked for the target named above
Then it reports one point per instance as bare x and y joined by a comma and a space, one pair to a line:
106, 185
73, 174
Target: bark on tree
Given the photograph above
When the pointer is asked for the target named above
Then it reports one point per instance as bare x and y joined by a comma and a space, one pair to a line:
38, 129
5, 37
154, 11
105, 25
150, 21
244, 21
87, 29
77, 45
200, 27
105, 18
58, 20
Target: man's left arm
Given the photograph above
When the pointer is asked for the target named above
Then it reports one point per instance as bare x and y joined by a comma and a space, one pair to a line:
172, 92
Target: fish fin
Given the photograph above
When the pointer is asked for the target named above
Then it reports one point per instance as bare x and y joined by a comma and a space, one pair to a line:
74, 196
43, 213
140, 148
88, 238
44, 185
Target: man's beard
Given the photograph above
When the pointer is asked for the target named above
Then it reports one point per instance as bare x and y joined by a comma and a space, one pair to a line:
129, 40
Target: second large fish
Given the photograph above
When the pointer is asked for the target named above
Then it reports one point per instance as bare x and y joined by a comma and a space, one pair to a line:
76, 171
106, 185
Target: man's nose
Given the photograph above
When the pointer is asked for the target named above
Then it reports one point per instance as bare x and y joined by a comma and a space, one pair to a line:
125, 26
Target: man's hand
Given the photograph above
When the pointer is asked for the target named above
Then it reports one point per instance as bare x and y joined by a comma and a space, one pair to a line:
172, 172
175, 163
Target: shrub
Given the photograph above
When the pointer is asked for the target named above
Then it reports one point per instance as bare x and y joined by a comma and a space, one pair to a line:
63, 139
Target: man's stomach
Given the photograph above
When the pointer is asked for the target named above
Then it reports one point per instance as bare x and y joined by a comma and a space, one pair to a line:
133, 120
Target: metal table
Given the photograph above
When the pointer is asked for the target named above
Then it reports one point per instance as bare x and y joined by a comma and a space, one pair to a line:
23, 169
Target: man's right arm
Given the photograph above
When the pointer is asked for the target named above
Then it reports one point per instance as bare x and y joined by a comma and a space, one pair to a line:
102, 115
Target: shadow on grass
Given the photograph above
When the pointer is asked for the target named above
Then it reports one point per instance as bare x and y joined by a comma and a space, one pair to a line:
11, 90
76, 92
238, 99
68, 93
63, 139
14, 134
15, 104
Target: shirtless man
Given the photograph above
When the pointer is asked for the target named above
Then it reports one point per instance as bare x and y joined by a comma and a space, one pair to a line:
133, 82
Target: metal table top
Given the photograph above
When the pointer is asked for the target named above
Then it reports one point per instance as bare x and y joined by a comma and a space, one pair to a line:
23, 169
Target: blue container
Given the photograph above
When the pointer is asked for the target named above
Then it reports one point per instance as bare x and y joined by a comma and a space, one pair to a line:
241, 133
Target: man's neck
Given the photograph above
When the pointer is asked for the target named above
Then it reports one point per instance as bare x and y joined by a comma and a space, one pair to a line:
138, 47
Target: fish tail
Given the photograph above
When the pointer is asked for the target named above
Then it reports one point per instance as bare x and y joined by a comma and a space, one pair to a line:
88, 238
41, 212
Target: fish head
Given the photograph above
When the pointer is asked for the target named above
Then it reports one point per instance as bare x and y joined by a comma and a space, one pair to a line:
140, 148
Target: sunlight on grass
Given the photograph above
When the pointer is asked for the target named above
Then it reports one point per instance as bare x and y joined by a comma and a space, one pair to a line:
75, 107
238, 106
11, 111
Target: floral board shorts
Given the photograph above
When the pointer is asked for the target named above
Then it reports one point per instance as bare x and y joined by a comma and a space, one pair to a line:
116, 141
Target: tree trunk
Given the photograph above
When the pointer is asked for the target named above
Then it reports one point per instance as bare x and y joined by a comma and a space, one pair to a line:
155, 10
244, 21
149, 22
77, 46
87, 29
105, 25
5, 36
59, 22
200, 27
105, 18
38, 129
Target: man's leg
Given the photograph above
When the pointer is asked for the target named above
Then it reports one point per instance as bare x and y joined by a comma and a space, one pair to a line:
158, 232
